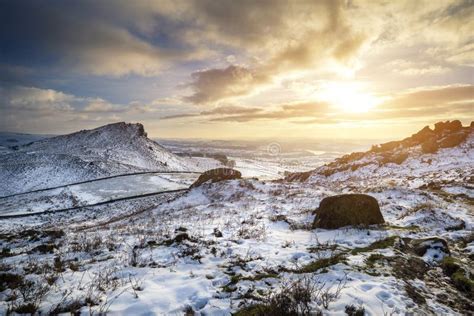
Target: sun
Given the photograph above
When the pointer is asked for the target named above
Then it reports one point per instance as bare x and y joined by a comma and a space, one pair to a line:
349, 97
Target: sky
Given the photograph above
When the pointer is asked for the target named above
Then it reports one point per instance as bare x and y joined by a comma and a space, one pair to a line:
237, 69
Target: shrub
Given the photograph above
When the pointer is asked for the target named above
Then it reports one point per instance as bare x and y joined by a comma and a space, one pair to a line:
10, 281
352, 310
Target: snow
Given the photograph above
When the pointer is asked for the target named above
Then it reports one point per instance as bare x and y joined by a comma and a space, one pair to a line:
113, 149
131, 247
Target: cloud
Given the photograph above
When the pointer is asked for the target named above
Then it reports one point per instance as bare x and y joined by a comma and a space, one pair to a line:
428, 103
217, 84
222, 110
410, 68
304, 35
424, 98
246, 114
34, 99
442, 102
91, 37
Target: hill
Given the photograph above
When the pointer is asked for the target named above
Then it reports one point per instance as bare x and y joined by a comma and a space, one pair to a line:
88, 154
448, 143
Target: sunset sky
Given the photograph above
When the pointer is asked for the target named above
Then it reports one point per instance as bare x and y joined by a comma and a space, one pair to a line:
237, 69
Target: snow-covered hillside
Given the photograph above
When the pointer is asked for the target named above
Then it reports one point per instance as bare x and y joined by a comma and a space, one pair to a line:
89, 154
248, 247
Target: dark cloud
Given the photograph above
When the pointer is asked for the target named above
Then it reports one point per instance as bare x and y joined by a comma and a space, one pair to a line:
216, 84
93, 37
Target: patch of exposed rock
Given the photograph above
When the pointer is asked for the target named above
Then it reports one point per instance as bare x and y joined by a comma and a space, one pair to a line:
348, 210
217, 175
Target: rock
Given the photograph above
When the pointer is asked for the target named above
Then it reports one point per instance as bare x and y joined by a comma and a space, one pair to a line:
216, 175
397, 158
453, 140
217, 233
430, 146
438, 246
389, 146
424, 134
348, 209
453, 126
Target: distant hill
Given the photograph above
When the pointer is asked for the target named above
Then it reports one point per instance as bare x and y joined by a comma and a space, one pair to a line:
448, 141
9, 139
111, 149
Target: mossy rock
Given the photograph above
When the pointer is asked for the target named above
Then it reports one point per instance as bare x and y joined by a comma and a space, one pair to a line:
348, 210
216, 175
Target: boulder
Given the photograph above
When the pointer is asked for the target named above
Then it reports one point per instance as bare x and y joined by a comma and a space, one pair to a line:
348, 209
216, 175
452, 140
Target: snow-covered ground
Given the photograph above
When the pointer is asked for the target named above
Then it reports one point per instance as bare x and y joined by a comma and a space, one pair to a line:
219, 248
94, 192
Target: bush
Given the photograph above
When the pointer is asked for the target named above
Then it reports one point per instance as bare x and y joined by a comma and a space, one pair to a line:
10, 281
293, 299
351, 310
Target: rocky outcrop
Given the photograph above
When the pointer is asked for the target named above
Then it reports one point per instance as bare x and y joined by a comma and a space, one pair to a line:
446, 134
453, 140
348, 210
216, 175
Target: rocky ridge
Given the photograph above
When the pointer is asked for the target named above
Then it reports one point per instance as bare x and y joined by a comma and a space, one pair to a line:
427, 141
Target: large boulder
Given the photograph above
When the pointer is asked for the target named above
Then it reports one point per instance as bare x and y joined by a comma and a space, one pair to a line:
348, 209
216, 175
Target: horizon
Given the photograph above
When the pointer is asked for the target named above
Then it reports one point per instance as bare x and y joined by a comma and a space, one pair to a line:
237, 70
367, 140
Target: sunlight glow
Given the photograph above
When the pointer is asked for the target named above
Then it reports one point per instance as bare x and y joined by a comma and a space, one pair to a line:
349, 97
